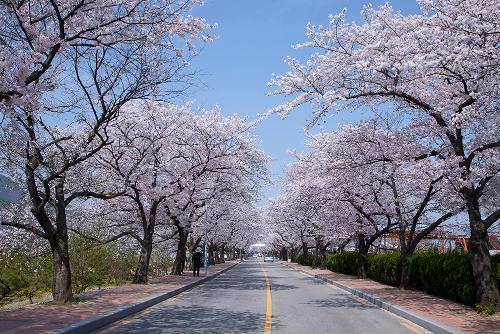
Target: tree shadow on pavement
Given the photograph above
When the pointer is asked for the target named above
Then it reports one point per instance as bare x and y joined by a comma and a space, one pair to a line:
246, 278
226, 284
312, 280
196, 320
341, 301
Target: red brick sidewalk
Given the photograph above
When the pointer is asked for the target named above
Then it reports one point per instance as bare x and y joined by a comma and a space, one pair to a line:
454, 315
38, 318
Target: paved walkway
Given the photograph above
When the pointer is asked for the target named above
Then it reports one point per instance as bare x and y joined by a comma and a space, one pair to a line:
39, 318
454, 315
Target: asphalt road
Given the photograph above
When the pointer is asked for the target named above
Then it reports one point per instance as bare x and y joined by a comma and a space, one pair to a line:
239, 301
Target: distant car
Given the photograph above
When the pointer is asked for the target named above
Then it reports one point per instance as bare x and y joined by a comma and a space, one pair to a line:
254, 255
268, 259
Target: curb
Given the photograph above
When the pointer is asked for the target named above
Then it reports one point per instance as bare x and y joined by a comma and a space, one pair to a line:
99, 321
422, 321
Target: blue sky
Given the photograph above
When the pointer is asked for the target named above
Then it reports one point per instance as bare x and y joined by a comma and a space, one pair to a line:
254, 39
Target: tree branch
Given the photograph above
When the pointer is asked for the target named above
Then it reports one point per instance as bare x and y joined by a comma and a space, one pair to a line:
28, 228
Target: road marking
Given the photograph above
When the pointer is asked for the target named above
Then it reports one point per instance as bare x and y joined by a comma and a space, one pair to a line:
411, 328
269, 304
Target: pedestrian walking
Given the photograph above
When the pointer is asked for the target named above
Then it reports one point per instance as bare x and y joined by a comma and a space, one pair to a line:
197, 261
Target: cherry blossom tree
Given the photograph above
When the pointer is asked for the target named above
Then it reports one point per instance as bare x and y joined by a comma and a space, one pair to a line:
306, 213
219, 158
440, 69
288, 224
361, 182
39, 38
322, 194
233, 223
173, 163
141, 156
287, 232
67, 68
388, 187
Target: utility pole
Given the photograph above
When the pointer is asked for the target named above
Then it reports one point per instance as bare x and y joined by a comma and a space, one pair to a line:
206, 241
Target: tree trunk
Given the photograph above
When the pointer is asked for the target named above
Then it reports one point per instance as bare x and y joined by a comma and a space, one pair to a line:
304, 248
363, 265
322, 255
61, 271
180, 256
319, 254
315, 255
217, 254
61, 276
284, 253
141, 273
211, 255
487, 291
58, 240
362, 254
222, 252
404, 282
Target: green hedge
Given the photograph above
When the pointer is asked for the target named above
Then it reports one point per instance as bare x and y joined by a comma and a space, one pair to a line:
384, 268
447, 275
345, 263
304, 260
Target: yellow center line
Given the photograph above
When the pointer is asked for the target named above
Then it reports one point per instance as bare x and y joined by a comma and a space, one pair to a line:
269, 304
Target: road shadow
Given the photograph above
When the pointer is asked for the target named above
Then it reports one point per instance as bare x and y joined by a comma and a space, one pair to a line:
235, 284
247, 278
341, 301
195, 320
312, 280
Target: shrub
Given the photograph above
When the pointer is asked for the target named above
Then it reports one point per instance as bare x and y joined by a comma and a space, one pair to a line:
447, 275
384, 268
160, 264
122, 267
298, 258
23, 276
96, 265
345, 263
89, 263
26, 274
306, 260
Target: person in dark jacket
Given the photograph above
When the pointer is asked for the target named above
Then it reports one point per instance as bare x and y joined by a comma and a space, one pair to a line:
197, 261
